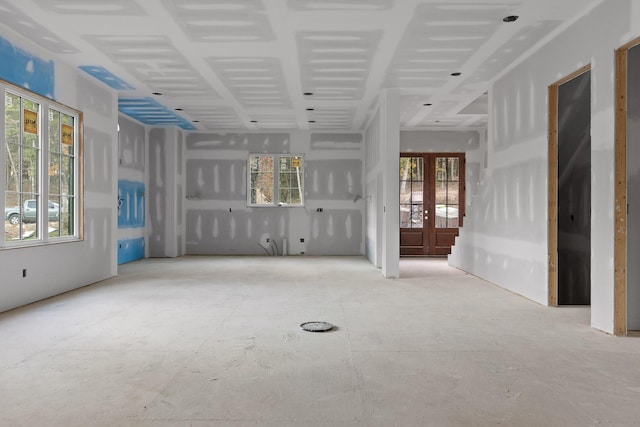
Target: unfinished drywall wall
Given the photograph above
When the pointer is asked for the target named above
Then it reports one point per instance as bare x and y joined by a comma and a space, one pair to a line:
633, 189
383, 192
165, 210
504, 239
373, 193
131, 190
218, 221
62, 267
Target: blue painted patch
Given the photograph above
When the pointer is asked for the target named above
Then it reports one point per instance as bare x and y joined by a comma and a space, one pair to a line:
106, 77
150, 112
23, 69
131, 206
130, 250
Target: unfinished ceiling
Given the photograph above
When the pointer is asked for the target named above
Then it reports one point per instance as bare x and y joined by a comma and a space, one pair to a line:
292, 64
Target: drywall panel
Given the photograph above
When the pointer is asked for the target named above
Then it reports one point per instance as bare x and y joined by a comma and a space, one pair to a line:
633, 189
335, 179
216, 179
132, 198
373, 193
164, 187
217, 219
517, 142
59, 268
390, 155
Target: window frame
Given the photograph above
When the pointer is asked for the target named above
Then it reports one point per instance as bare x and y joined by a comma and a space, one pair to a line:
44, 148
276, 203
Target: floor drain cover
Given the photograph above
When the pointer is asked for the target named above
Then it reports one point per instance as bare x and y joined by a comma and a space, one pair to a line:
316, 326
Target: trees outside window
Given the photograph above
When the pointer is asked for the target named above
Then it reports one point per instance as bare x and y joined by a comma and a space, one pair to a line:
41, 142
276, 180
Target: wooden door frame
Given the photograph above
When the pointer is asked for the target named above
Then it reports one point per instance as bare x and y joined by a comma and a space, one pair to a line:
552, 210
425, 171
620, 191
428, 199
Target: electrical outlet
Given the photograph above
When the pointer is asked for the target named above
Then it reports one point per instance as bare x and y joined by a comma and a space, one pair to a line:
267, 240
24, 272
320, 210
301, 240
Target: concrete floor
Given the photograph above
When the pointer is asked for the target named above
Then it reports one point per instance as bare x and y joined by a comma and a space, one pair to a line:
202, 341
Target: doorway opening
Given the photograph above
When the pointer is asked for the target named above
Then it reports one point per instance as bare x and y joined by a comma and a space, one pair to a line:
432, 193
570, 190
627, 192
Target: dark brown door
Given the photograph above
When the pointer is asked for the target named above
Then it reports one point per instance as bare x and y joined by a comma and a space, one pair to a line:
431, 202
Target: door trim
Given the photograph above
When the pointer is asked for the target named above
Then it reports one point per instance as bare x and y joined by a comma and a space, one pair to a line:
620, 191
552, 209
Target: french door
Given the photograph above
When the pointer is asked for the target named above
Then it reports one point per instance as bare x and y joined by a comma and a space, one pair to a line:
431, 202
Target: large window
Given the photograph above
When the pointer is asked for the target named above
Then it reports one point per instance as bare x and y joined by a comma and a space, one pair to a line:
276, 180
41, 144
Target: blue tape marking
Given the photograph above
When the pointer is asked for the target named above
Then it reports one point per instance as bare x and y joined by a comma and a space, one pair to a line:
23, 69
150, 112
130, 250
107, 77
131, 206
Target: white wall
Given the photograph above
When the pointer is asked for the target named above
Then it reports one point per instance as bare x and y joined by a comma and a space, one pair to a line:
218, 221
504, 239
62, 267
382, 188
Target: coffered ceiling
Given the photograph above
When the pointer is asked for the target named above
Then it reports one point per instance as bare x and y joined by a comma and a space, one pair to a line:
292, 64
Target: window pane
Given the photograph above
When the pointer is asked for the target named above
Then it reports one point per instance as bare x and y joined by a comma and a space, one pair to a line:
12, 118
453, 169
416, 216
285, 180
405, 215
296, 197
53, 216
29, 229
441, 216
285, 196
67, 177
54, 131
441, 192
12, 165
66, 210
452, 216
54, 173
453, 193
285, 163
30, 158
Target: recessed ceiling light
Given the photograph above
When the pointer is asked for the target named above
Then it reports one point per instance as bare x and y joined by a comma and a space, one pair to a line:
157, 93
511, 18
456, 74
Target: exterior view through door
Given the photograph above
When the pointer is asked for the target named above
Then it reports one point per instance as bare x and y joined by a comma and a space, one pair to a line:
431, 202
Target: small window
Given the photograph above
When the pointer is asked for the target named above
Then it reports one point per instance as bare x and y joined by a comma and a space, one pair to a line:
276, 180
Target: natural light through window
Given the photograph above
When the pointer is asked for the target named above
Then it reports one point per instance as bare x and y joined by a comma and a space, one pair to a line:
41, 141
276, 180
